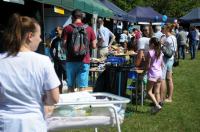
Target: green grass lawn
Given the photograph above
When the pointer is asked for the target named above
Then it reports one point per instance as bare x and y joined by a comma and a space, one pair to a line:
182, 115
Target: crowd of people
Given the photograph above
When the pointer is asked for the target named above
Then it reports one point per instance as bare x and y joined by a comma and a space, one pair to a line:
158, 67
29, 81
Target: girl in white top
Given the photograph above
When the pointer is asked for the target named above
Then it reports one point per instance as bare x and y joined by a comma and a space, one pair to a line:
27, 79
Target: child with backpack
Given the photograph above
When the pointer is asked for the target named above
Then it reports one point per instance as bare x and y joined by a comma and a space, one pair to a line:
154, 72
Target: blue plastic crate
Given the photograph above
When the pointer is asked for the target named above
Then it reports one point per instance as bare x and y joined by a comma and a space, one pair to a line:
116, 60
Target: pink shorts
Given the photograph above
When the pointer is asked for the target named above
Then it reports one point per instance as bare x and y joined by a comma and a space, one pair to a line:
155, 79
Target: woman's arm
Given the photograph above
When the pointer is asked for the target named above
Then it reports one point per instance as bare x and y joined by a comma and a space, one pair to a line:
139, 57
51, 97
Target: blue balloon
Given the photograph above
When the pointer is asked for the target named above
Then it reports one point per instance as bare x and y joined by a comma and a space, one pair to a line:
164, 18
156, 17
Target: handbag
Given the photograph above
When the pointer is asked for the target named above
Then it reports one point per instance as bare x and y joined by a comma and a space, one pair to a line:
167, 51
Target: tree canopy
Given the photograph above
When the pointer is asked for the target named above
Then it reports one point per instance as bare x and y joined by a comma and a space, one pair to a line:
171, 8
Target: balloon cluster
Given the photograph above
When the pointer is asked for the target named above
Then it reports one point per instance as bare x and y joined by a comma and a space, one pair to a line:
164, 20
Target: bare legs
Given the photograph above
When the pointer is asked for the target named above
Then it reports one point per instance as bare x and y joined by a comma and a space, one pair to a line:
157, 91
154, 97
163, 90
170, 88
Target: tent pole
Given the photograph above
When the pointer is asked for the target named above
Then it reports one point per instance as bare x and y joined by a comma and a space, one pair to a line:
43, 23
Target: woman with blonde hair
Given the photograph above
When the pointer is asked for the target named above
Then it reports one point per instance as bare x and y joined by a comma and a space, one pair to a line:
168, 65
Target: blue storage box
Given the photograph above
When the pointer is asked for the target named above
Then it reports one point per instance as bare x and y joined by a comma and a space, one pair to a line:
116, 60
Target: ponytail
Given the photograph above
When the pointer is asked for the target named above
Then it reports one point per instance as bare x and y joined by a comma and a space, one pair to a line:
157, 46
12, 35
158, 49
17, 28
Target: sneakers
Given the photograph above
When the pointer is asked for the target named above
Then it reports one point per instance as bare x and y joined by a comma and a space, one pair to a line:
156, 109
161, 104
168, 100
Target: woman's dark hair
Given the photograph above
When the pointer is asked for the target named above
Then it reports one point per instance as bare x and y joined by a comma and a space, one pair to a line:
157, 46
15, 32
58, 28
148, 31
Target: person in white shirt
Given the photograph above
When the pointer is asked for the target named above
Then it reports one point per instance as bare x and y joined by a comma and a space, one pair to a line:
28, 80
124, 39
103, 39
143, 46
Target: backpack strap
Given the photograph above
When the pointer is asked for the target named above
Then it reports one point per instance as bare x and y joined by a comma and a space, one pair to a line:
73, 25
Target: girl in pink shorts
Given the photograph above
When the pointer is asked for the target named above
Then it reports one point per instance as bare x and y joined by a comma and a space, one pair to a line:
154, 71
